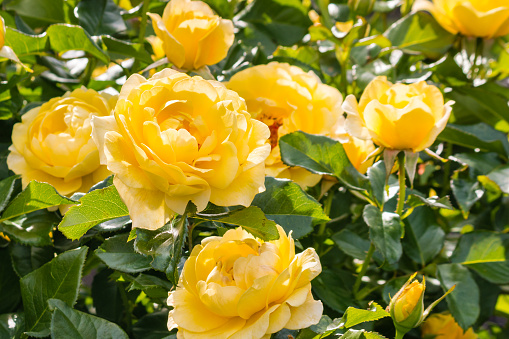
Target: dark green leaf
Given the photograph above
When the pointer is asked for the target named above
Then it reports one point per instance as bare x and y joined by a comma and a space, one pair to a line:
31, 229
480, 163
60, 279
119, 254
152, 326
320, 155
26, 259
49, 11
123, 48
65, 38
384, 232
153, 286
483, 103
353, 244
6, 190
466, 192
69, 323
423, 237
106, 296
354, 316
334, 288
9, 284
415, 200
36, 196
285, 20
100, 17
463, 302
486, 253
289, 206
12, 325
479, 136
376, 176
252, 219
420, 33
500, 176
96, 207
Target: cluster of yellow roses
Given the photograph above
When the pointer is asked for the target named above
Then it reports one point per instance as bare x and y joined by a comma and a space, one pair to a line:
173, 138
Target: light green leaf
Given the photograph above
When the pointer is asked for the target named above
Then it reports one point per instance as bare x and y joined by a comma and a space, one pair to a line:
23, 44
320, 155
63, 38
36, 196
361, 334
60, 279
289, 206
486, 253
463, 302
119, 254
49, 11
69, 323
95, 207
384, 232
354, 316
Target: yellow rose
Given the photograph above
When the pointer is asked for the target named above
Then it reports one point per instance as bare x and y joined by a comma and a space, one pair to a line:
401, 117
157, 47
288, 99
358, 151
443, 326
237, 287
410, 297
193, 36
174, 139
52, 142
478, 18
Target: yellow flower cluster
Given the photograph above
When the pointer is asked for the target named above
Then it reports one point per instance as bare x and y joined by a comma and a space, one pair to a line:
237, 286
443, 326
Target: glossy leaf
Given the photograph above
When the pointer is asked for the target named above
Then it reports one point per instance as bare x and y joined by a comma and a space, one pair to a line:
95, 207
354, 316
60, 278
289, 206
26, 259
500, 176
384, 232
32, 229
100, 17
119, 254
467, 193
7, 187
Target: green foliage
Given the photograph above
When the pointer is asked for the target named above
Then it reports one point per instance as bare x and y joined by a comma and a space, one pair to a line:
385, 232
354, 316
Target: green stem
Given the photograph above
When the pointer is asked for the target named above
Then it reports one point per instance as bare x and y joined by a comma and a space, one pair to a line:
89, 70
326, 209
324, 11
399, 335
141, 35
127, 309
364, 268
402, 186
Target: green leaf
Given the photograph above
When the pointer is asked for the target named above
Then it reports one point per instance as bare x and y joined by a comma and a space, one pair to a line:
423, 237
500, 176
334, 288
415, 200
384, 232
7, 187
153, 286
36, 196
65, 38
479, 136
420, 33
95, 207
486, 253
119, 254
152, 326
353, 244
320, 155
354, 316
252, 219
466, 192
289, 206
26, 259
376, 175
479, 163
12, 325
24, 44
463, 302
60, 279
49, 11
69, 323
9, 284
106, 296
361, 334
100, 17
123, 48
286, 21
31, 229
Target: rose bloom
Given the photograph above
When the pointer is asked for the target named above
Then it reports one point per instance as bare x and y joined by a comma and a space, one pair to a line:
237, 286
174, 139
52, 142
477, 18
409, 298
288, 99
397, 116
193, 36
443, 326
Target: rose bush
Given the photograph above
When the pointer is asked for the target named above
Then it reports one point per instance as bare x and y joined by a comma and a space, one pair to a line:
175, 139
